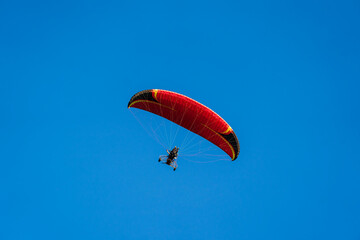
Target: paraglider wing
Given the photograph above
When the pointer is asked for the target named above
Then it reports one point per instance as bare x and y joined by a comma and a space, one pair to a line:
189, 114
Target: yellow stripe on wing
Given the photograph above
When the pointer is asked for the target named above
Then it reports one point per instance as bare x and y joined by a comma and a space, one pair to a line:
227, 130
155, 91
148, 101
231, 147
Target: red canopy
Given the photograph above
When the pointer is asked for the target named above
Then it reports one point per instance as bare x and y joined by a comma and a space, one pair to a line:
189, 114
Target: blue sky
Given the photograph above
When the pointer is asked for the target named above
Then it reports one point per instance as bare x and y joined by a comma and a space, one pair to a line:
77, 165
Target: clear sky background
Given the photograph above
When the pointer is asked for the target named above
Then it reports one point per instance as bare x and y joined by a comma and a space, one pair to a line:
75, 164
